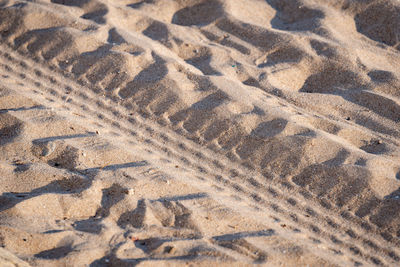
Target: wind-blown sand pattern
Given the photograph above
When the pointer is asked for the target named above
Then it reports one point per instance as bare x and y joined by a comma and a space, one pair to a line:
162, 132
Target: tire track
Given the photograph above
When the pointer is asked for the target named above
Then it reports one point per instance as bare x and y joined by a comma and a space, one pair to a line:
149, 133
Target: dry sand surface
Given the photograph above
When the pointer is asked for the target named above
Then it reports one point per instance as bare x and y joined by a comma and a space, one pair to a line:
192, 132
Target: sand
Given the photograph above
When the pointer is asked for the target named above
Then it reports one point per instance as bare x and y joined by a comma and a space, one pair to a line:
202, 133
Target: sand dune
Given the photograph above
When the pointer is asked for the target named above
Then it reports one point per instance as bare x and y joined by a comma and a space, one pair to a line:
203, 132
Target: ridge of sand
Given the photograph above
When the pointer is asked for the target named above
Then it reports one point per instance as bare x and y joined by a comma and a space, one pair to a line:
173, 132
7, 259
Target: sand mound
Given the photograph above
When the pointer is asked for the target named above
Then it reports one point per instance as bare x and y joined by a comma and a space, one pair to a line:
205, 132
